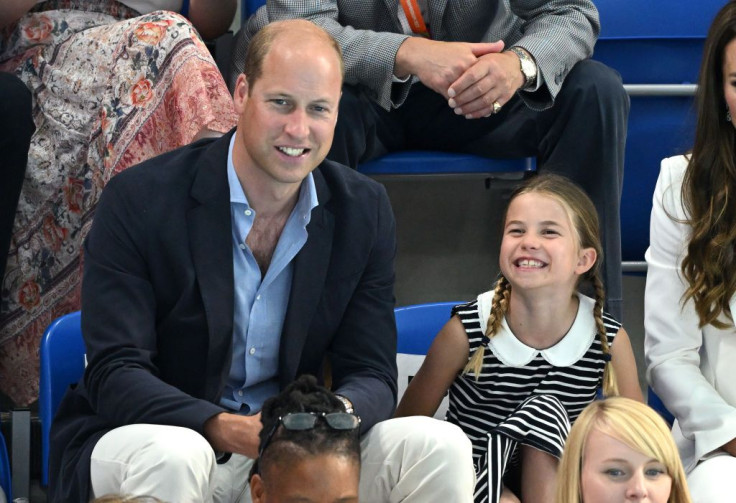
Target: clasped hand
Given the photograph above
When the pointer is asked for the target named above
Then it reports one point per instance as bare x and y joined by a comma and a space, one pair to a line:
471, 76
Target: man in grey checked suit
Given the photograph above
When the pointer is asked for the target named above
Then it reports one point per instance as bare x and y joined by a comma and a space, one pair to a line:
460, 89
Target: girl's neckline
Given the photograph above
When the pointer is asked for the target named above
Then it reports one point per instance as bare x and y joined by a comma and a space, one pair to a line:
568, 350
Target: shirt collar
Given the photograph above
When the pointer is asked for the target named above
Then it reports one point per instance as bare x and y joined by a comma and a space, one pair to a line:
307, 193
512, 352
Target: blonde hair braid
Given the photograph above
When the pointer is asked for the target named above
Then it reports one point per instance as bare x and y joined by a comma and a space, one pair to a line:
610, 388
499, 306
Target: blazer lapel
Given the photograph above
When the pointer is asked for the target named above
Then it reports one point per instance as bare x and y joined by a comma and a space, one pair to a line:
310, 270
210, 242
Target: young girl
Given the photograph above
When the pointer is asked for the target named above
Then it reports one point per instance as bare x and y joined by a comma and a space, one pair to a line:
523, 360
620, 451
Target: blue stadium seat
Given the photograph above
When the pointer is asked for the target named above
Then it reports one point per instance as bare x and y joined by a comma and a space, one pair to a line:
652, 43
248, 7
5, 483
656, 403
62, 363
416, 327
413, 162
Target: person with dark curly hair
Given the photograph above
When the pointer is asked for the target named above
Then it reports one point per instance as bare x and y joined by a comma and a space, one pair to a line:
309, 449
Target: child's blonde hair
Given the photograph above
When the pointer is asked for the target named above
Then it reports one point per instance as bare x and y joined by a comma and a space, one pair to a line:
631, 422
584, 220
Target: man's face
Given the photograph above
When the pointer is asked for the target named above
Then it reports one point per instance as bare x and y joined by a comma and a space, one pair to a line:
288, 116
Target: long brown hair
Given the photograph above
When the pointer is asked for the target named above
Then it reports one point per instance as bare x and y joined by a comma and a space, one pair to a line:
708, 187
584, 219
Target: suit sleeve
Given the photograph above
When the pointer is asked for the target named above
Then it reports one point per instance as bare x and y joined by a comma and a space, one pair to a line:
119, 320
558, 33
673, 339
363, 353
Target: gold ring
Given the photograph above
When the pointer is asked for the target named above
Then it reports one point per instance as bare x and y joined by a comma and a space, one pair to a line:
496, 107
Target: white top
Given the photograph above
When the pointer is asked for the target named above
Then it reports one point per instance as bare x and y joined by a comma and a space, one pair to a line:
146, 6
693, 370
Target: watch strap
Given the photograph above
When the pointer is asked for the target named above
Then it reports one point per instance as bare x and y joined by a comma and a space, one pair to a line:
346, 403
529, 67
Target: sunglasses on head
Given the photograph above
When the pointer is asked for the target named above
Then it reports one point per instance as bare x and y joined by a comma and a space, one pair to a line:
301, 421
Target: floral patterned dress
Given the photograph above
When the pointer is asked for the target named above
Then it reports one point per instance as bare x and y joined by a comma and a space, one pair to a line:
110, 89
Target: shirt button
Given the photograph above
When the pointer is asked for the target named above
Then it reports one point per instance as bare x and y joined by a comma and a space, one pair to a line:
240, 392
248, 213
258, 297
242, 246
252, 351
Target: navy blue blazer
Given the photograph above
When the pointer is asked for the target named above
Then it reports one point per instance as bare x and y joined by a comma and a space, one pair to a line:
157, 303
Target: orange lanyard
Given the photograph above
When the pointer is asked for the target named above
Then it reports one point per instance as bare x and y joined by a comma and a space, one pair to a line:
414, 16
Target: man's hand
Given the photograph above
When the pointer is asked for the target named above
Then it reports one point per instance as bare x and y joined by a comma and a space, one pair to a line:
439, 64
233, 433
494, 78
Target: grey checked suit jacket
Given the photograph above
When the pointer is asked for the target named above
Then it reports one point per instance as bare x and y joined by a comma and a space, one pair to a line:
559, 33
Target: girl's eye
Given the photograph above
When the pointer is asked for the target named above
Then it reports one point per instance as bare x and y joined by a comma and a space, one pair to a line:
614, 472
550, 232
655, 472
515, 231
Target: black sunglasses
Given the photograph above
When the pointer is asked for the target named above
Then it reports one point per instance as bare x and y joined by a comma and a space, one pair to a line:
301, 421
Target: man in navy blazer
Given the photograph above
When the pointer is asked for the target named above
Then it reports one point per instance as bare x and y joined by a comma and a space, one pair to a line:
216, 274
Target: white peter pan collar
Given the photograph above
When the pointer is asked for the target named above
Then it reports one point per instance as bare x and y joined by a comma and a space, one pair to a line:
514, 353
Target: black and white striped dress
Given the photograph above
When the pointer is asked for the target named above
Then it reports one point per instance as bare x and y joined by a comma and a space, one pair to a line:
524, 395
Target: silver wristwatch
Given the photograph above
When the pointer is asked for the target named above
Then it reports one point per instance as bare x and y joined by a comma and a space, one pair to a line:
528, 67
346, 403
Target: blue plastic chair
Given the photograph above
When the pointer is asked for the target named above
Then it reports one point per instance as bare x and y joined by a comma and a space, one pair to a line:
248, 7
656, 403
413, 162
62, 363
660, 44
416, 327
5, 482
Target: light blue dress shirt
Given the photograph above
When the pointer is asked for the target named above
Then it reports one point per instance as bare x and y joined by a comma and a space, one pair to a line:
260, 303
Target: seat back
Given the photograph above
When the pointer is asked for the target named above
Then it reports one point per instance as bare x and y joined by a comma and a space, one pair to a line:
656, 403
248, 7
62, 363
659, 48
5, 483
416, 327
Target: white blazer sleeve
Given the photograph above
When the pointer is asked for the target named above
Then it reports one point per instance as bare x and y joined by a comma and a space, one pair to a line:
673, 340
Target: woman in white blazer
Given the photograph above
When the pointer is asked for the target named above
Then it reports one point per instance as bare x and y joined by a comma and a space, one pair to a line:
690, 295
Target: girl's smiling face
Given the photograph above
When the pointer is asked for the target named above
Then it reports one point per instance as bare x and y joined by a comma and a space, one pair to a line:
540, 246
613, 472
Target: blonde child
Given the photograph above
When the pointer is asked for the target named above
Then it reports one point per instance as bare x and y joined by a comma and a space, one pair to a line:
620, 450
523, 360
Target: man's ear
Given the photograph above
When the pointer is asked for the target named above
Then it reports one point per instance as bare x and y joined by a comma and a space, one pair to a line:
240, 95
257, 490
586, 260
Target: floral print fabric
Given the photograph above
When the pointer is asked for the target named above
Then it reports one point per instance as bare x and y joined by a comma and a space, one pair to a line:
109, 92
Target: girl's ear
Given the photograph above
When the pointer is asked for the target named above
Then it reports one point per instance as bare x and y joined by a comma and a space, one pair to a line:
586, 260
257, 491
